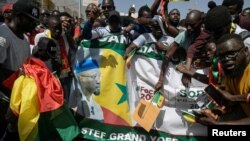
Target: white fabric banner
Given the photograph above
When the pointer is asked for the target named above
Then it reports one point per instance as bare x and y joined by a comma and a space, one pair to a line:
143, 75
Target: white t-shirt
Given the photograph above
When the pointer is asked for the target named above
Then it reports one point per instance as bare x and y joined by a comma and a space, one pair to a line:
13, 50
238, 30
105, 31
148, 38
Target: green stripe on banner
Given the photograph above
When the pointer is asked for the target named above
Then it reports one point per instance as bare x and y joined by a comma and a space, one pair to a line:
148, 51
94, 130
113, 42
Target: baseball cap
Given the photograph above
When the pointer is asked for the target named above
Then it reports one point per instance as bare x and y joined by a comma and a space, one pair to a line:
114, 14
7, 7
28, 8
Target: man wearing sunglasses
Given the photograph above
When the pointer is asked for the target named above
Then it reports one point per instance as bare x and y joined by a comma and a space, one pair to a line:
235, 59
107, 6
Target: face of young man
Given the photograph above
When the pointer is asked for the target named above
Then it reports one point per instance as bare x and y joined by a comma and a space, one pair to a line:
174, 17
232, 55
193, 22
107, 6
55, 26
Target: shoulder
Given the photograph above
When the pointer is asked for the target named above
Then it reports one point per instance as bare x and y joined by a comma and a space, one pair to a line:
42, 34
180, 37
238, 29
4, 30
4, 35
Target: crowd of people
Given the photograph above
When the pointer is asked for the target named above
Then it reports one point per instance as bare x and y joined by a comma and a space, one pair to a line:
218, 39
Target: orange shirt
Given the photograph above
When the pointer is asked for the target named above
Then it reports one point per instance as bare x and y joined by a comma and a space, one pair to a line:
240, 85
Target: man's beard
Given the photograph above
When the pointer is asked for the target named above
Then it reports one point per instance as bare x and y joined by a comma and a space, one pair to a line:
237, 71
174, 23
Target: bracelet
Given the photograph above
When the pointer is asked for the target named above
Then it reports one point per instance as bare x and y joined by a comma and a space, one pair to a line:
248, 98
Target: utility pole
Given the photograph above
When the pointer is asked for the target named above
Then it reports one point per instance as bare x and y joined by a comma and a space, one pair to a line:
42, 6
80, 5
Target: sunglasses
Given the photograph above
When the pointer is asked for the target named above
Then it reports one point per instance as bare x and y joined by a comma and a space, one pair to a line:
230, 54
106, 7
87, 11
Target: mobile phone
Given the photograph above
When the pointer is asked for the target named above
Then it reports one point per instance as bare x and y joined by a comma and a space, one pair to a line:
214, 94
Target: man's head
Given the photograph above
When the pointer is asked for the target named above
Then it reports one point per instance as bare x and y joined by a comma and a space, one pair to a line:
107, 6
210, 49
114, 21
234, 6
211, 4
55, 26
92, 11
246, 12
158, 28
233, 54
27, 15
67, 22
44, 17
7, 12
144, 12
90, 82
174, 17
88, 73
193, 22
218, 21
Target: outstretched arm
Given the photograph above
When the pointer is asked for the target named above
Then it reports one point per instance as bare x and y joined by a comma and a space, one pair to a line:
154, 7
173, 47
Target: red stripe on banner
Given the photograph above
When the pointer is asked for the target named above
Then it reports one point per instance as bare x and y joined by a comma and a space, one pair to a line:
112, 118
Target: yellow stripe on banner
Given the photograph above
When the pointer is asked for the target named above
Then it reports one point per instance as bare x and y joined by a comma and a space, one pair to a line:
24, 101
113, 84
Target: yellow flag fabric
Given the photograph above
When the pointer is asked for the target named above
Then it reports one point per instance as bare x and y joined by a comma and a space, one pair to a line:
100, 70
113, 86
24, 94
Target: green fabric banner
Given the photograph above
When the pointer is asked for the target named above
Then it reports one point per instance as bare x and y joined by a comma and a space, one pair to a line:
94, 130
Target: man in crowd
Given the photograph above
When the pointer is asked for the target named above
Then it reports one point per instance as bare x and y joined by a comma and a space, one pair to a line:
235, 8
14, 46
7, 12
63, 45
183, 39
218, 22
245, 19
235, 59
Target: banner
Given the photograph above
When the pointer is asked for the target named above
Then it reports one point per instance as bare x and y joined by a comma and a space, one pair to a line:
108, 107
143, 75
99, 91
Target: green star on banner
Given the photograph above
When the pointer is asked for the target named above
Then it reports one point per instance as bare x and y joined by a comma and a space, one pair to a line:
124, 93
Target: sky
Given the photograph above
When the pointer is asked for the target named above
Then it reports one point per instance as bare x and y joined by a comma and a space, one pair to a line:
123, 5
